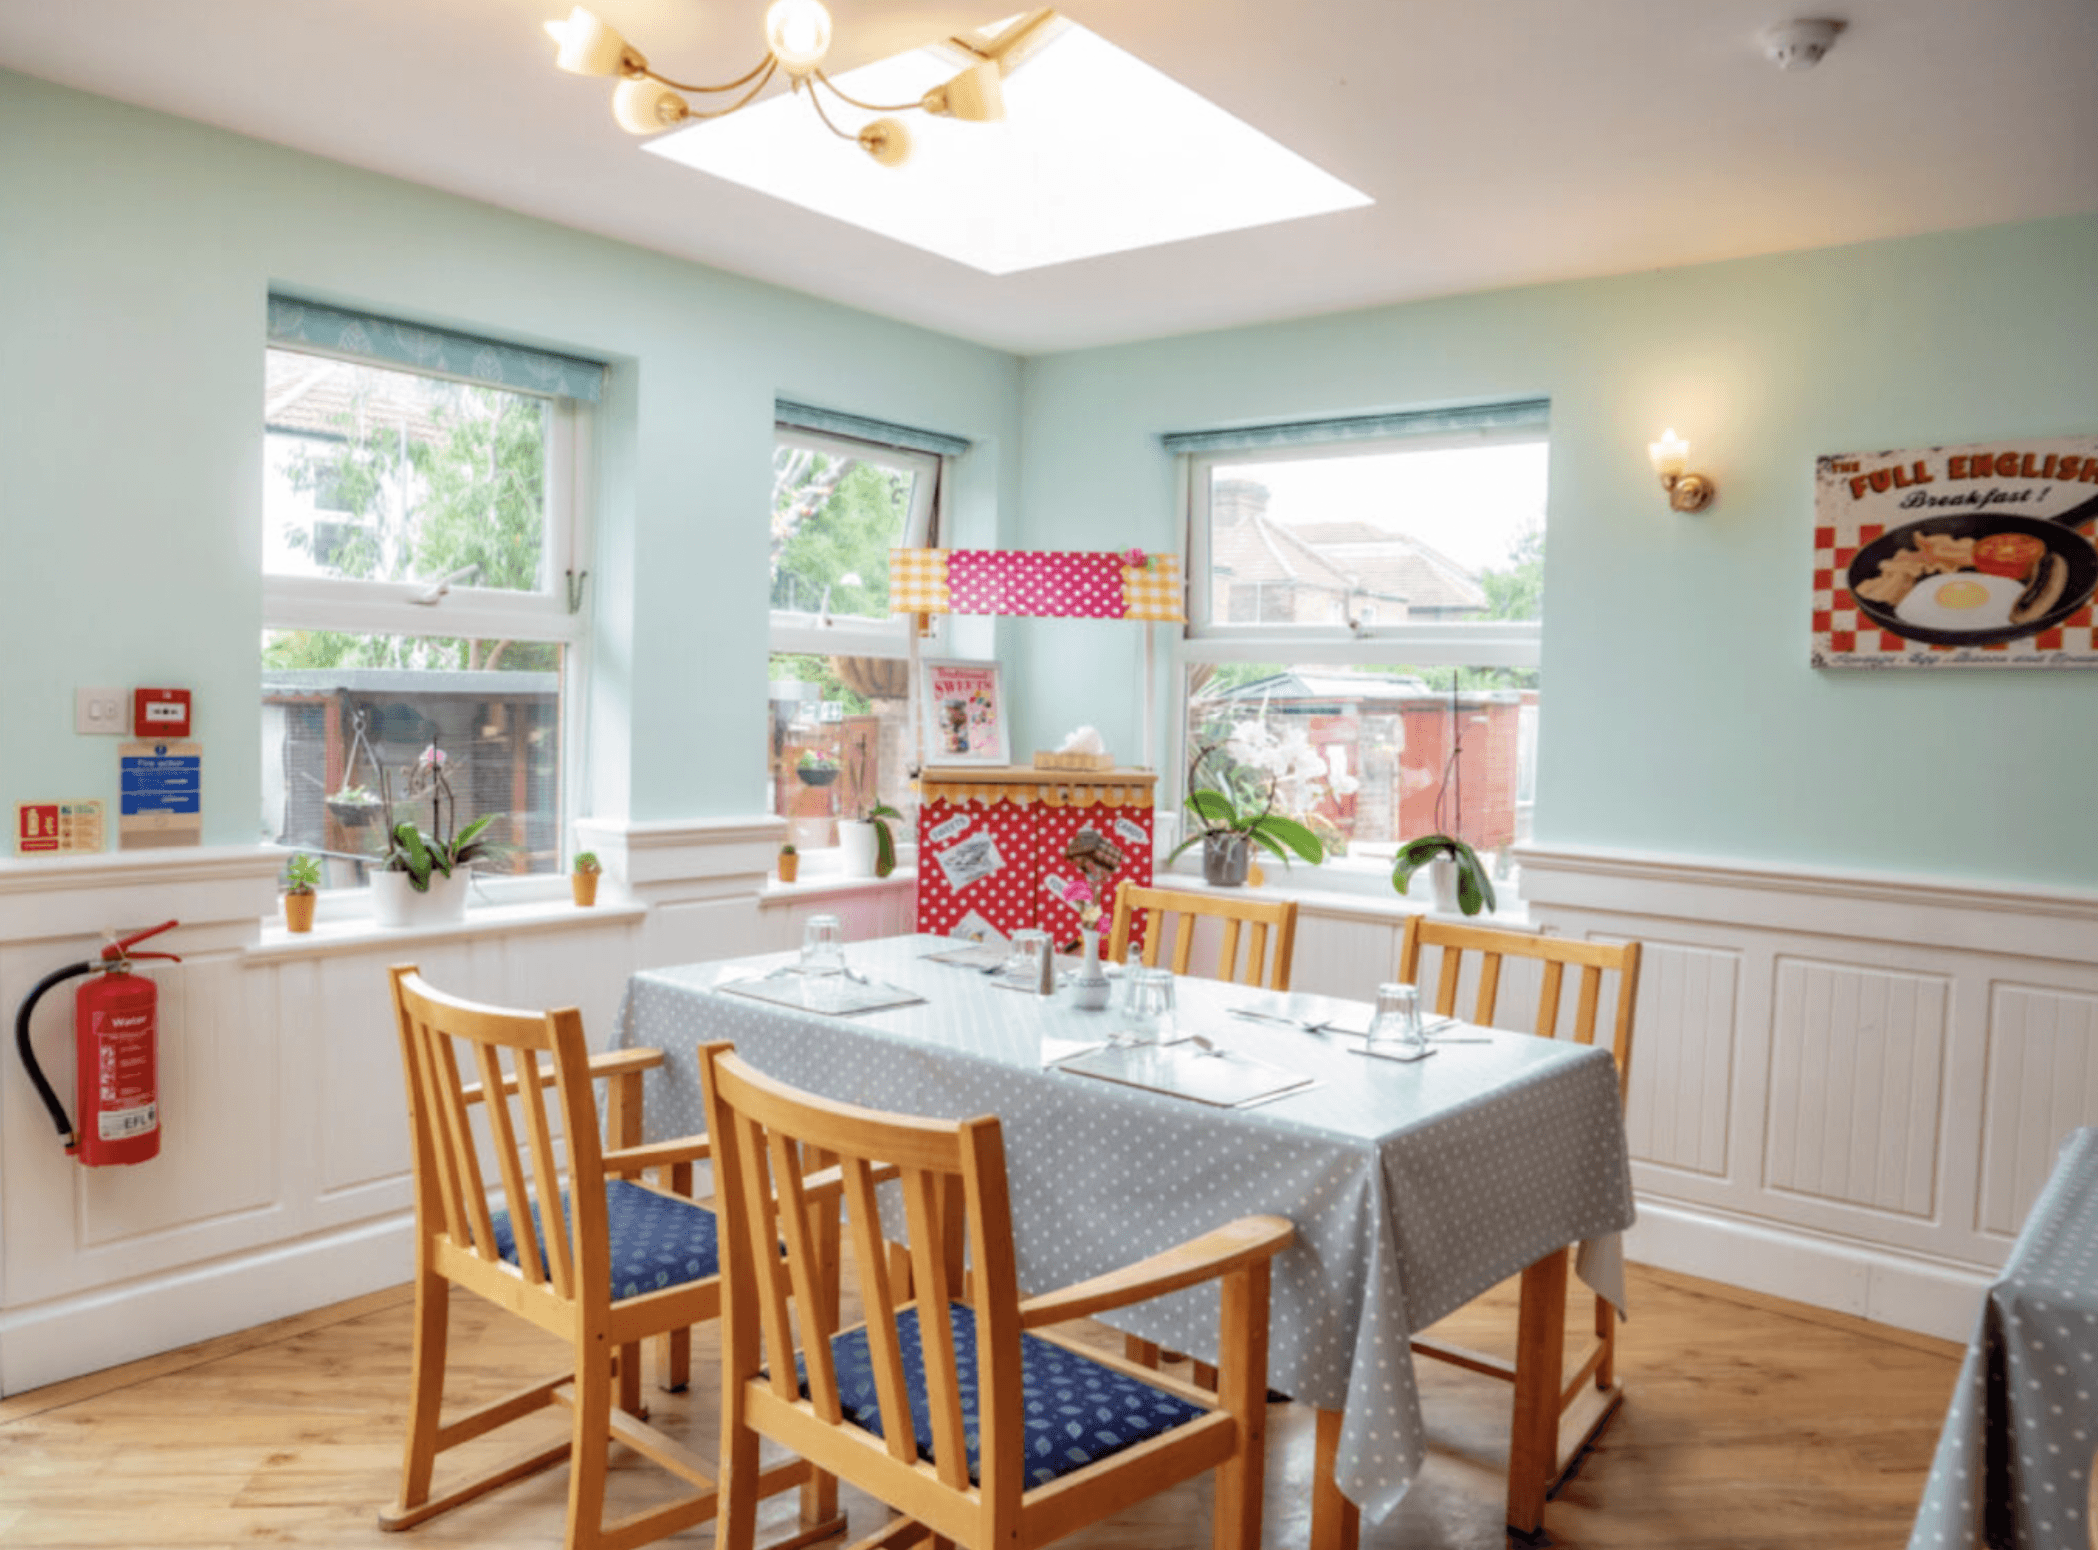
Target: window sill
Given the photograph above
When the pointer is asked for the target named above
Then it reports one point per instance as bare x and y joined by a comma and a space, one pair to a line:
1348, 899
777, 893
357, 933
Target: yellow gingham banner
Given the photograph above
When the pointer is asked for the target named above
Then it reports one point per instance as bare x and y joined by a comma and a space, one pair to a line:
918, 581
1152, 591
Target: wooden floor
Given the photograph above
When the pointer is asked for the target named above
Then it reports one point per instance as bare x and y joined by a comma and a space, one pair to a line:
1750, 1422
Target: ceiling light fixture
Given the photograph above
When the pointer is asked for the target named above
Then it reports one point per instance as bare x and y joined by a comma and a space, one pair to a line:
797, 37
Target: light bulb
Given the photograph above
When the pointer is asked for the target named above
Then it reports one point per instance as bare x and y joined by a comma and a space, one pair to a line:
1671, 454
588, 46
887, 141
798, 33
646, 107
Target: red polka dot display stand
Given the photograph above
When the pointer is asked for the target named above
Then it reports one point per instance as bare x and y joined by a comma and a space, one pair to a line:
1128, 829
1974, 556
988, 839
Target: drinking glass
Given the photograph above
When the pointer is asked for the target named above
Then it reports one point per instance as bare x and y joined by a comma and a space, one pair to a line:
823, 946
1031, 965
1147, 1008
1395, 1026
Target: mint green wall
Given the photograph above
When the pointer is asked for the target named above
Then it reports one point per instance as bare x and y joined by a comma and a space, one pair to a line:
1680, 715
135, 254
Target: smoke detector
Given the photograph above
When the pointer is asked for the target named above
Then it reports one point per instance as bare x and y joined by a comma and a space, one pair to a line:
1799, 45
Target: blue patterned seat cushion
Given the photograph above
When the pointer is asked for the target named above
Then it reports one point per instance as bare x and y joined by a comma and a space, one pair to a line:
657, 1240
1077, 1411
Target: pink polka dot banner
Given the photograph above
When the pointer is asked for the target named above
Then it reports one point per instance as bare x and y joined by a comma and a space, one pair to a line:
1036, 584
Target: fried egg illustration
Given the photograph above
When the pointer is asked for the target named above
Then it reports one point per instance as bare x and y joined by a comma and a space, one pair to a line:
1964, 600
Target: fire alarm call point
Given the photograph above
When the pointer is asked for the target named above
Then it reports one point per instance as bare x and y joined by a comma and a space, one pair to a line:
160, 713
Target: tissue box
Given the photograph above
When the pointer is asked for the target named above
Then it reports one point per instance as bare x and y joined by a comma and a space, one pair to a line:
1074, 761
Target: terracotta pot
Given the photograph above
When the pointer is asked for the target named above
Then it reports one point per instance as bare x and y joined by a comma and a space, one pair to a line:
789, 867
298, 911
584, 885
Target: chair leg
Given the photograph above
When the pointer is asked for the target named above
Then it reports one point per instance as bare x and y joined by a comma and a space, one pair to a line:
1144, 1353
1540, 1349
592, 1441
426, 1387
1606, 1332
736, 1515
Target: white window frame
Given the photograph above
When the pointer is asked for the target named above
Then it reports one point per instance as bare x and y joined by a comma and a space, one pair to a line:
353, 606
1364, 642
809, 632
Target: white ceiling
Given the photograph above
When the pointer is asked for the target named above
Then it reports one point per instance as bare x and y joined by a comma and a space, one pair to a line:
1504, 141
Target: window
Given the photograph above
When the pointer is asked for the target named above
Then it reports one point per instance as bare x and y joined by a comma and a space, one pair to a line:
839, 688
1364, 626
422, 528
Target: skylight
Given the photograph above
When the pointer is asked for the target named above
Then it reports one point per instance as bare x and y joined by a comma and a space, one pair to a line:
1098, 153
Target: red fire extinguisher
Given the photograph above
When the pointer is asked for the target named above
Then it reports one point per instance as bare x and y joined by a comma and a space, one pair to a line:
115, 1070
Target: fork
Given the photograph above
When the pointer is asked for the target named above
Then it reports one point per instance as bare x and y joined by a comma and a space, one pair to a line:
1308, 1024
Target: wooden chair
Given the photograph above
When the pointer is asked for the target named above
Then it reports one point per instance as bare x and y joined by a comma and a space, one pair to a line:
1264, 917
1583, 1406
627, 1260
951, 1432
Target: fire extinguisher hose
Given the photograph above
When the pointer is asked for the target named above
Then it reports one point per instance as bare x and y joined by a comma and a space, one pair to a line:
28, 1054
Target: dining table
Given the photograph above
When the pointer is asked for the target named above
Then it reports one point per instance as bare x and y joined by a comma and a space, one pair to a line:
1413, 1187
2015, 1461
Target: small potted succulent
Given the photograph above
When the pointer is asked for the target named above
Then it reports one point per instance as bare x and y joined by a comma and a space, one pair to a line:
815, 767
789, 863
302, 875
582, 878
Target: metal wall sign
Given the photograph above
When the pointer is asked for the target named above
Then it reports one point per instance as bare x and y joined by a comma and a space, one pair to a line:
1971, 556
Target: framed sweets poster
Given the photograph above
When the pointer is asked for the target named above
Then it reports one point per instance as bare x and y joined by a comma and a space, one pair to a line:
1973, 556
963, 706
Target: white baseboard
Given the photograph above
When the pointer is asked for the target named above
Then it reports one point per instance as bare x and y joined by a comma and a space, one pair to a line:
1845, 1276
48, 1342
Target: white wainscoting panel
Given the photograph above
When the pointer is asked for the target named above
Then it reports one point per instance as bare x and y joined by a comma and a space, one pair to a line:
283, 1180
1854, 1085
2042, 1083
1676, 1110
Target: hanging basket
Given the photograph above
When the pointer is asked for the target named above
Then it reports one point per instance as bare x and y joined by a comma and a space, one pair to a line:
816, 775
355, 815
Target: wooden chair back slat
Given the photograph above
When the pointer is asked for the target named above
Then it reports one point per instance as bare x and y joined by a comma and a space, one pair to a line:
546, 1181
870, 1258
461, 1166
805, 1269
1270, 921
1548, 994
1183, 946
487, 1059
1489, 996
772, 1275
927, 1221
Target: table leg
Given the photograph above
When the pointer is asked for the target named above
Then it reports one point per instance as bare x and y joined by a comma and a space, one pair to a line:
1540, 1351
1336, 1522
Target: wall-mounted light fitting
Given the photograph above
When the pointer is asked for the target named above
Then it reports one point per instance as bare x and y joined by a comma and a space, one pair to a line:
1686, 491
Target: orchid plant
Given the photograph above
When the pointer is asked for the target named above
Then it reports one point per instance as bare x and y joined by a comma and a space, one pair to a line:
423, 853
1263, 772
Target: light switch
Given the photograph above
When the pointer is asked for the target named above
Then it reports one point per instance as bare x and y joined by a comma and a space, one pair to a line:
100, 711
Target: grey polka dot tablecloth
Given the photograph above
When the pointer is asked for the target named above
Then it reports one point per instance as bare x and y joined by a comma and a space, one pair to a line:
1413, 1187
2013, 1463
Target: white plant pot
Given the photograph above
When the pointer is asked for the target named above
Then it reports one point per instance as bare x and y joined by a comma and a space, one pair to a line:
1442, 886
396, 903
856, 847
